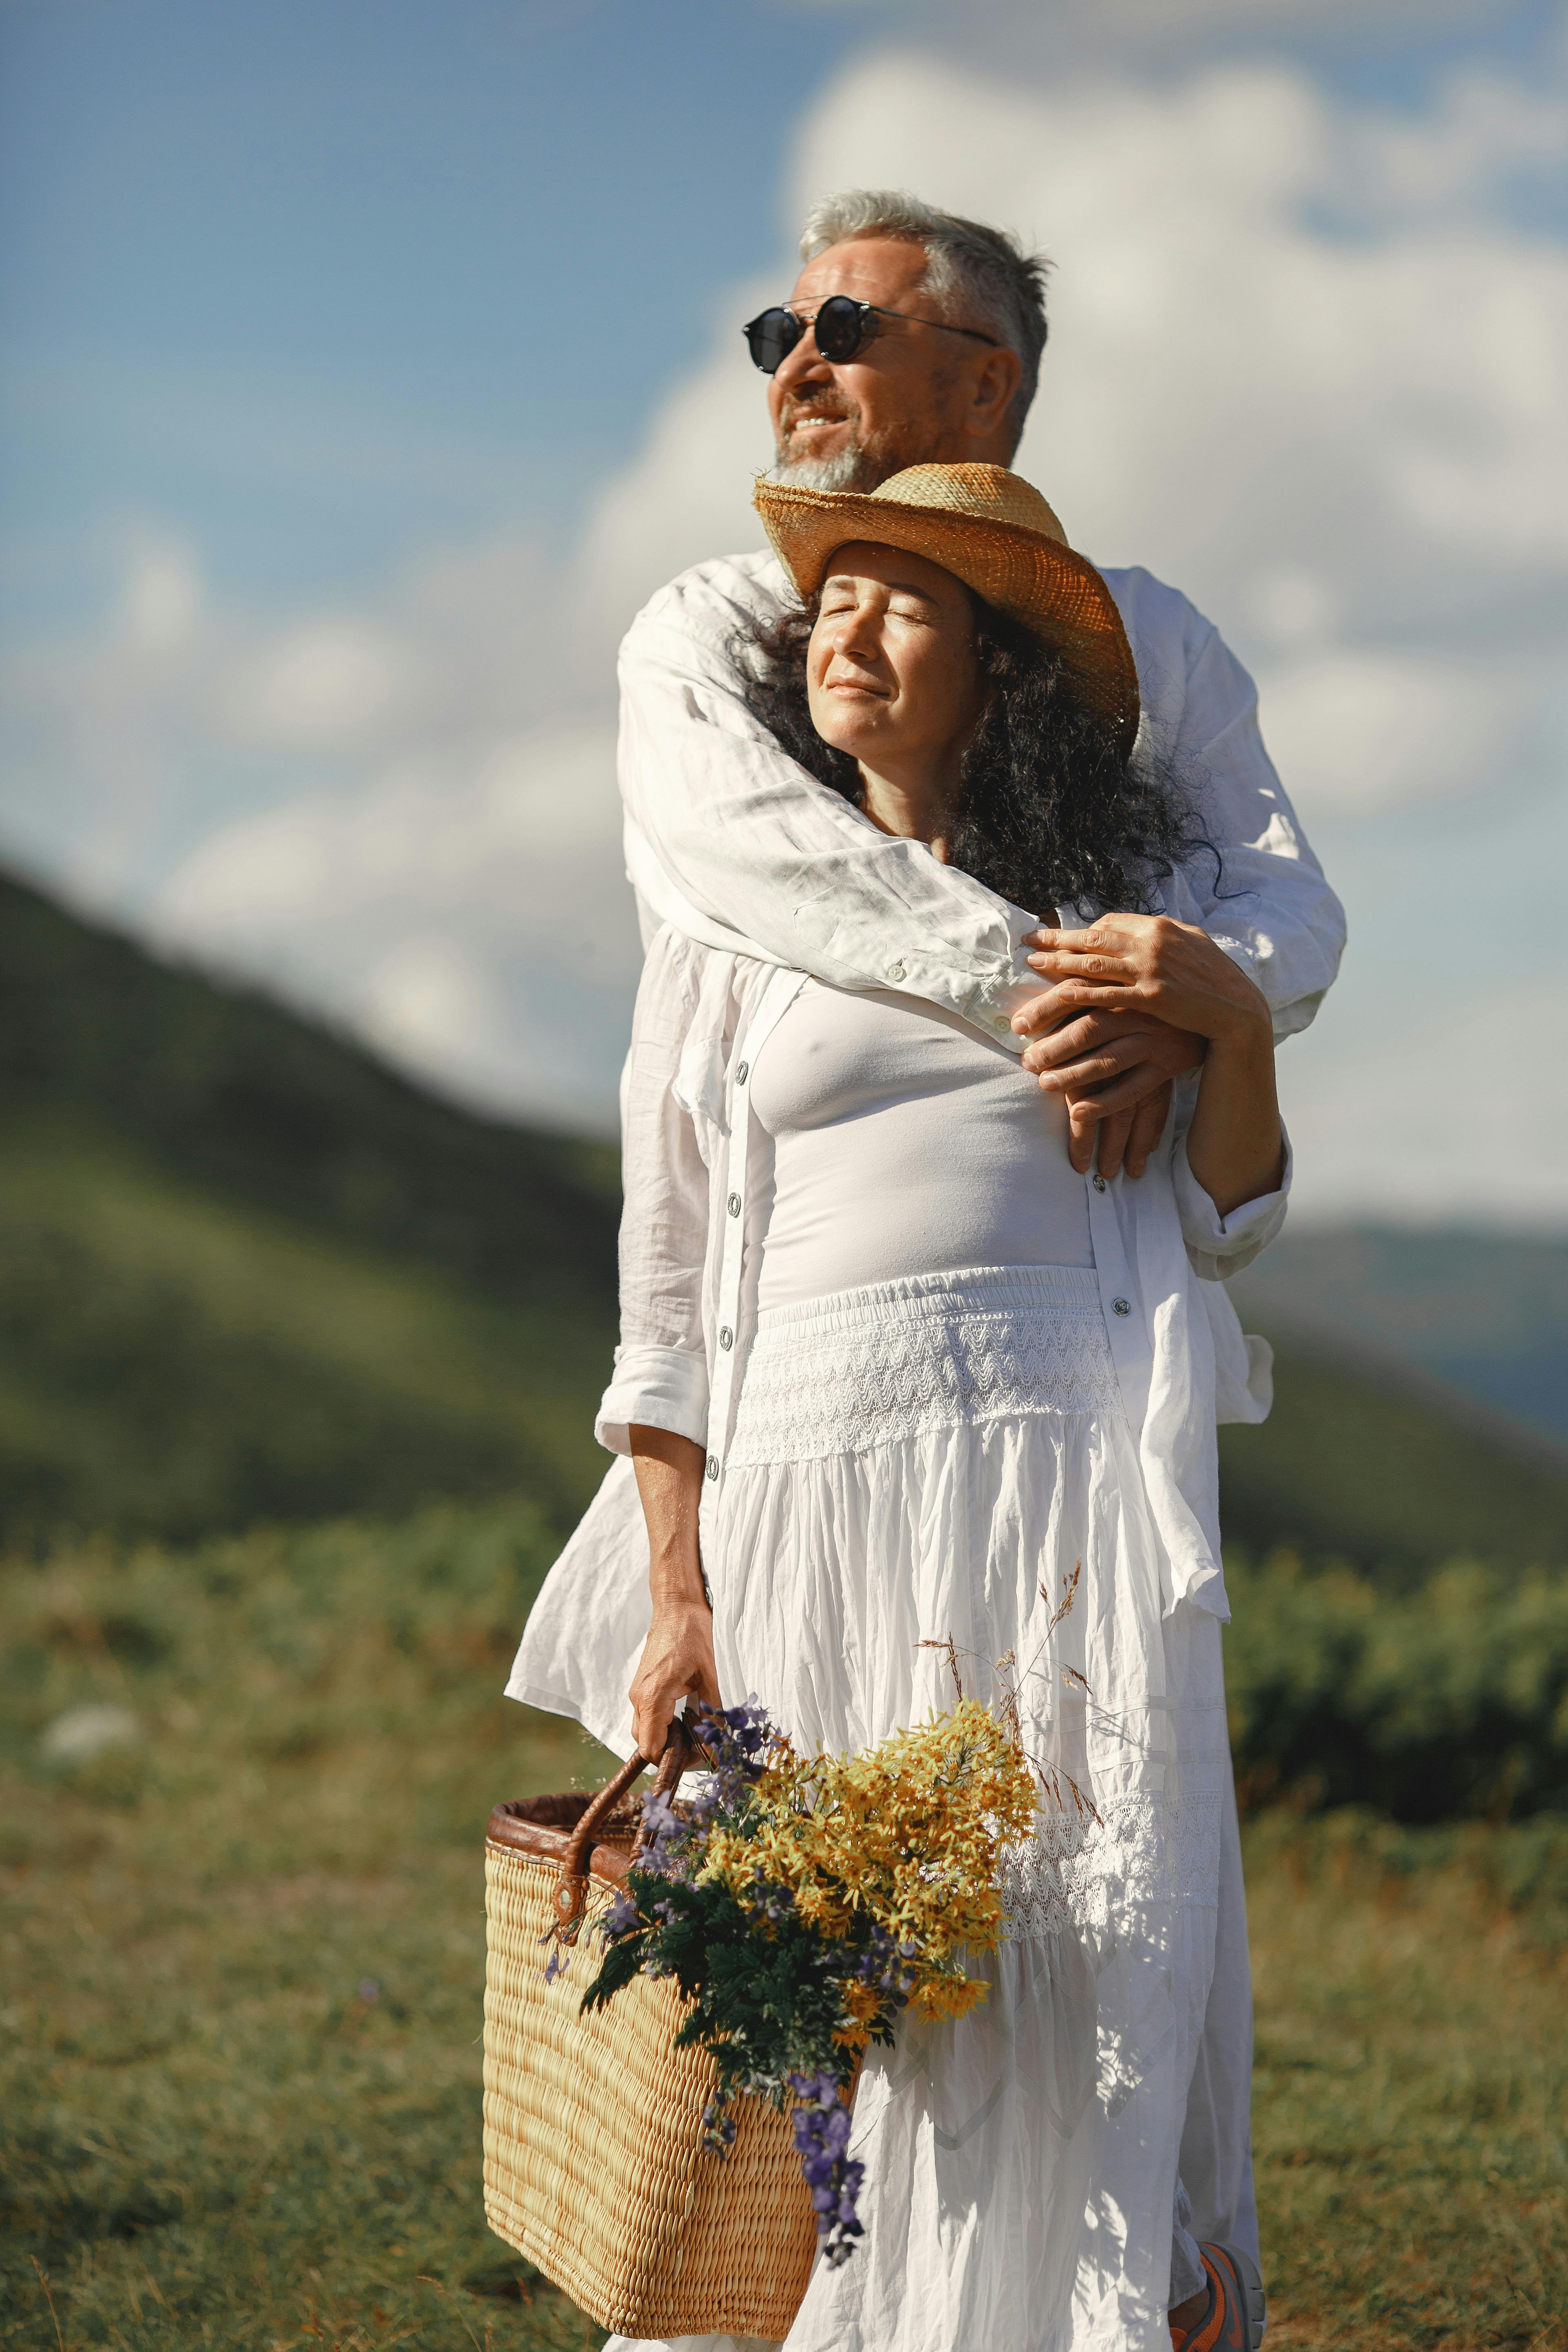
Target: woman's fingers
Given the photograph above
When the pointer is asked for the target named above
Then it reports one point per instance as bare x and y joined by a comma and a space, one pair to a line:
677, 1664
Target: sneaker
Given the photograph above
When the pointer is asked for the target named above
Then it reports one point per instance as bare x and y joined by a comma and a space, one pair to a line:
1236, 2310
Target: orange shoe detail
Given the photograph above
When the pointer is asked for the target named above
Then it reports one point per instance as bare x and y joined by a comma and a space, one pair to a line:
1226, 2324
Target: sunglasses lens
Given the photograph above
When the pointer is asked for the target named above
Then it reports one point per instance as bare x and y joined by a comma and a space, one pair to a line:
771, 335
841, 327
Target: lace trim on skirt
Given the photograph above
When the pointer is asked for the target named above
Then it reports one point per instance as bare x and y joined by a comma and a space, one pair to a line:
864, 1368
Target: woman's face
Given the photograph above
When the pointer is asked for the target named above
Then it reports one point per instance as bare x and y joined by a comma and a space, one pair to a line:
891, 669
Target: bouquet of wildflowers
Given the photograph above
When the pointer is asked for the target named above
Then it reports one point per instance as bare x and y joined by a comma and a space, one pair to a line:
803, 1902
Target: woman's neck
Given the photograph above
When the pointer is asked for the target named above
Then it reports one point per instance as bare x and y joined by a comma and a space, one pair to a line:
918, 808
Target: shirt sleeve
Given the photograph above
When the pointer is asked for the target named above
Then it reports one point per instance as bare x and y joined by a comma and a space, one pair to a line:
1219, 1247
1267, 904
660, 1376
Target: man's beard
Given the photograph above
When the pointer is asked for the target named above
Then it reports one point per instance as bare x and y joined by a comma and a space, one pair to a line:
852, 468
862, 463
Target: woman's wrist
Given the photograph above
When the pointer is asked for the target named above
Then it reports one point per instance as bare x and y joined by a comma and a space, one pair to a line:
677, 1585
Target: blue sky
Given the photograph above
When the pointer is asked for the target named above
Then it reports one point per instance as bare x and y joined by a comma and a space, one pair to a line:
365, 362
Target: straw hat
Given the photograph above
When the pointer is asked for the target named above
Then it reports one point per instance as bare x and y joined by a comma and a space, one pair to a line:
990, 528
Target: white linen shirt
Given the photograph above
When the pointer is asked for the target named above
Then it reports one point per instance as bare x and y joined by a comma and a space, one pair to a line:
729, 838
695, 1168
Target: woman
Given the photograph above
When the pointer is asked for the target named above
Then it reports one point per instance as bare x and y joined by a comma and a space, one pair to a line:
909, 1398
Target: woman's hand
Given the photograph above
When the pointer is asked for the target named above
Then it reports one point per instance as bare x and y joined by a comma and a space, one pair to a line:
677, 1661
1148, 964
677, 1664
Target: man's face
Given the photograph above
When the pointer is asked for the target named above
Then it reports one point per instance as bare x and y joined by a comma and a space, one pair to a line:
913, 396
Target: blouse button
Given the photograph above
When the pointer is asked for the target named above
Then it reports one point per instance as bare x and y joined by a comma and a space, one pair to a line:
734, 1204
895, 971
726, 1336
742, 1073
713, 1466
1123, 1306
1099, 1183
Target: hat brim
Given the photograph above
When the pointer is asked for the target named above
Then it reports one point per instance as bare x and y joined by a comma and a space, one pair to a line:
1051, 589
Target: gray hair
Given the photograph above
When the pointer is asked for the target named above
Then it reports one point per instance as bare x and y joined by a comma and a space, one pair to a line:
983, 272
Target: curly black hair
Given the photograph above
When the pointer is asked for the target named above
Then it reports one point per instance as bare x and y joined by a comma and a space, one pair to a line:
1054, 811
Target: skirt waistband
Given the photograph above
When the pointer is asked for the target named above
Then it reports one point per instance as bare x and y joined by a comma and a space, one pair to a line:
913, 1297
858, 1368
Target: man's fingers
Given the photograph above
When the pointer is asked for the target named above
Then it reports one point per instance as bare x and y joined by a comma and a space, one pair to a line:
1113, 1135
1081, 1137
1122, 1092
1079, 1078
1069, 998
1087, 1034
1148, 1125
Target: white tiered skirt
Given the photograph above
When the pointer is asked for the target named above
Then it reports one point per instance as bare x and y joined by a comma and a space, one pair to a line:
943, 1461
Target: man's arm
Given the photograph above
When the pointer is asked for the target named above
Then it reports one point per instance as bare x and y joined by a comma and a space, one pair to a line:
731, 840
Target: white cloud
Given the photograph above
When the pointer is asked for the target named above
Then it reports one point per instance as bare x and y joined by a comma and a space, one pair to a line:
332, 681
467, 910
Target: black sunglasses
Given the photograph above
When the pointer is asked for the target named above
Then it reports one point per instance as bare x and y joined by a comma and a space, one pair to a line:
843, 328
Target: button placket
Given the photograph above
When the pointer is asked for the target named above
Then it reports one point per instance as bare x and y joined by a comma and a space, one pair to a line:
780, 992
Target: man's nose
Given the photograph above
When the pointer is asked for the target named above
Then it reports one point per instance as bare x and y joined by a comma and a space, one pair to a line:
804, 365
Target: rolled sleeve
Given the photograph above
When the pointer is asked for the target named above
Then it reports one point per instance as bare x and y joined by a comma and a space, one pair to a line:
654, 1387
1220, 1246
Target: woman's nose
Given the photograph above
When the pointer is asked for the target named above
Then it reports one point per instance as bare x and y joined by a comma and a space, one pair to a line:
855, 638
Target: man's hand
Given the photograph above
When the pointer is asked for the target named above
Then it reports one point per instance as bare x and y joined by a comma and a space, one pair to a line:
1114, 1069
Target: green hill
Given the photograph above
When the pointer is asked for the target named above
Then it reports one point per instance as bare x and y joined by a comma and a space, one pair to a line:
1487, 1313
247, 1272
1364, 1460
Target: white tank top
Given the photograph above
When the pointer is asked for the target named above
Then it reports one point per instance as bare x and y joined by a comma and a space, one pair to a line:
904, 1142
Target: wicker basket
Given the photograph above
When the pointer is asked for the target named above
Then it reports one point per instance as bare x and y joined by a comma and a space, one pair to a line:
594, 2169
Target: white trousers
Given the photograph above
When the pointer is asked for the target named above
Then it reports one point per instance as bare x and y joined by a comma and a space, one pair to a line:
1215, 2197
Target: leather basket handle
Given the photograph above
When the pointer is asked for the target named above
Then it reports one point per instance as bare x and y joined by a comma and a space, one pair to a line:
572, 1887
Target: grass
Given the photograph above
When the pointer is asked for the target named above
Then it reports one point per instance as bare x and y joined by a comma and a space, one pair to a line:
1411, 2094
242, 1955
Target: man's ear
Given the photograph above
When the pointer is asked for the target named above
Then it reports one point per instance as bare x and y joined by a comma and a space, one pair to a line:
992, 388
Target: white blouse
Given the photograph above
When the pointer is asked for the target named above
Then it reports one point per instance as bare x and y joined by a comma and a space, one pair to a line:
699, 1167
904, 1143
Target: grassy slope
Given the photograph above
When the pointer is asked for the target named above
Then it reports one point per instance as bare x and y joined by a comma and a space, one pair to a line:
243, 1960
173, 1359
1364, 1463
1487, 1312
247, 1272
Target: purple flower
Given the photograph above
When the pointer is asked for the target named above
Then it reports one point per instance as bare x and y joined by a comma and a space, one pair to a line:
832, 2175
620, 1918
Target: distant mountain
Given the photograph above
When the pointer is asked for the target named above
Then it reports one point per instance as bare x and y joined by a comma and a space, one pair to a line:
226, 1088
1487, 1313
247, 1272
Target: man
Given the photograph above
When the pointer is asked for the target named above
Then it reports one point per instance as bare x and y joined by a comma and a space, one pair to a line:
913, 337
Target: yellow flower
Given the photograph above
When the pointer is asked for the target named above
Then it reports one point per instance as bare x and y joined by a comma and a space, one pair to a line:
909, 1835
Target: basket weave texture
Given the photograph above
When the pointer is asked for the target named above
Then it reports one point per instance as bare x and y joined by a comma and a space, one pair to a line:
594, 2169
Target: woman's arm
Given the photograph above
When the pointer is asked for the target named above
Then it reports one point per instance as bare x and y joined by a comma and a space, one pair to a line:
1148, 964
656, 1408
677, 1661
